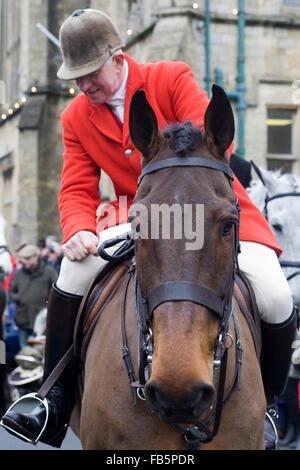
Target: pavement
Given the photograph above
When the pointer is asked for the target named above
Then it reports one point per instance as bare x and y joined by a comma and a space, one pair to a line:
9, 442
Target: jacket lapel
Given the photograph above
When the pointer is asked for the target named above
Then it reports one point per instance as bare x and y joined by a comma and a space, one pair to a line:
102, 118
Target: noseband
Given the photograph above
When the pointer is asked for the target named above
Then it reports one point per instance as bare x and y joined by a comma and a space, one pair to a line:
283, 263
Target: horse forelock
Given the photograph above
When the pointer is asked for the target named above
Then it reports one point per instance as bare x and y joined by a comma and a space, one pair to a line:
183, 138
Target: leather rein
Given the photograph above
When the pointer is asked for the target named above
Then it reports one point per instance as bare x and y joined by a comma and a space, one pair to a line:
192, 435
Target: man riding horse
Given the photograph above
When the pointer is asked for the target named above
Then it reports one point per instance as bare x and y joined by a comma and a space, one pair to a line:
96, 136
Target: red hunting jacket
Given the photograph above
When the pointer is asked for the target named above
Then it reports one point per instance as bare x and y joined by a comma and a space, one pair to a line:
94, 140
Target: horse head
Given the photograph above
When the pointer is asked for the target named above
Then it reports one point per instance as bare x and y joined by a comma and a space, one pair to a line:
194, 199
277, 196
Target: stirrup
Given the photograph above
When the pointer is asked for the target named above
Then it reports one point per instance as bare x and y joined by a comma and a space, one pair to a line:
26, 404
271, 420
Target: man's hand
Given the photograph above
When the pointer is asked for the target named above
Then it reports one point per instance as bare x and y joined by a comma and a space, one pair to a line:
81, 245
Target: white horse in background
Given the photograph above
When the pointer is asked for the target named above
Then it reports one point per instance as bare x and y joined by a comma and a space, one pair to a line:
277, 196
5, 262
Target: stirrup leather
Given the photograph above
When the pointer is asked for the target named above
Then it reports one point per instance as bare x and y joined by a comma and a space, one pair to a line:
26, 404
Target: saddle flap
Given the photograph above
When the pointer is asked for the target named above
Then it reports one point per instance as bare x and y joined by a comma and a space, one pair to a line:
99, 291
245, 298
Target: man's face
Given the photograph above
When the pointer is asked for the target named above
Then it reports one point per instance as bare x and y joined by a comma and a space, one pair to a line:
102, 84
30, 263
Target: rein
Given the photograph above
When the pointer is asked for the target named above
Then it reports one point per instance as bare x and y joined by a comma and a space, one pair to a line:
192, 436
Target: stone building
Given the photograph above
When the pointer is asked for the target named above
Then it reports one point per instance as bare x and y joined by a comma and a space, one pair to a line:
257, 63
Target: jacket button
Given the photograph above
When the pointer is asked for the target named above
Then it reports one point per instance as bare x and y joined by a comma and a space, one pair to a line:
128, 153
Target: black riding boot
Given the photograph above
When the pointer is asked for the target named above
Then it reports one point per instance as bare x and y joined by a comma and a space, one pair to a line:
61, 316
275, 360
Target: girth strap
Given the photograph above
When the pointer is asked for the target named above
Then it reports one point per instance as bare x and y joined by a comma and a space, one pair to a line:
184, 290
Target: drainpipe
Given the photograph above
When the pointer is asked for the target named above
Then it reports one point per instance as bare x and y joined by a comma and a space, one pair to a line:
207, 47
238, 94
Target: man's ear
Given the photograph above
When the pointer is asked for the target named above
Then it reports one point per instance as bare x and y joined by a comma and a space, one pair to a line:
143, 125
219, 122
118, 59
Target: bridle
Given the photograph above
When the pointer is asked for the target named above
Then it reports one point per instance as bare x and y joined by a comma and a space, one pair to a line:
183, 291
283, 263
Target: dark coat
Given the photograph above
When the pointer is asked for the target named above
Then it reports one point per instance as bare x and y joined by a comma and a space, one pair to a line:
30, 290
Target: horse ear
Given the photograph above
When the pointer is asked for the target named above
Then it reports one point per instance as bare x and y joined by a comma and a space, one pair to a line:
258, 171
143, 127
266, 177
219, 122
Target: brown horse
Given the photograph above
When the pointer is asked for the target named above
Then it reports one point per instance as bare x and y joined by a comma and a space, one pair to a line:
189, 323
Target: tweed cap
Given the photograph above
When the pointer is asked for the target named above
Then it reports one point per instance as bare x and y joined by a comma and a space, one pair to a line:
87, 39
28, 251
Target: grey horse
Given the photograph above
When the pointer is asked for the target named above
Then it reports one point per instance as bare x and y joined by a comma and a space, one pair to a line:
278, 198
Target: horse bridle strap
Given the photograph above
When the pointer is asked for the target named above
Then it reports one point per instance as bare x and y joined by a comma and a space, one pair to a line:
184, 290
186, 161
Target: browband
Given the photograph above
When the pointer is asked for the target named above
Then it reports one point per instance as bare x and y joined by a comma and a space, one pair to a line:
186, 161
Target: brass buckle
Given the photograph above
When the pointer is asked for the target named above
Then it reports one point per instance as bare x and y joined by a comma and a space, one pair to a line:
26, 404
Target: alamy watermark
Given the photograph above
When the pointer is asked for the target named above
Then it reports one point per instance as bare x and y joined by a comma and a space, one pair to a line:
2, 352
2, 92
162, 221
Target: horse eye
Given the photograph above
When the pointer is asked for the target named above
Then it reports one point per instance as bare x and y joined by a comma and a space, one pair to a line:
226, 227
277, 227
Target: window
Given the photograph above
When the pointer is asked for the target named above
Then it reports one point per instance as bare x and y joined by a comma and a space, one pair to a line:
285, 166
292, 2
279, 129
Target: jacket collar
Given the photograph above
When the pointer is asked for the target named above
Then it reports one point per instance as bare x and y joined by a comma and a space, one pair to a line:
101, 116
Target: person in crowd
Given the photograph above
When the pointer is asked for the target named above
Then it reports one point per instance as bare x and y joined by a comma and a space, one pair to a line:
43, 250
55, 256
96, 137
7, 281
29, 289
291, 401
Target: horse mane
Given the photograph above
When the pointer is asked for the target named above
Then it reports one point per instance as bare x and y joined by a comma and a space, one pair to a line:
183, 138
289, 178
257, 191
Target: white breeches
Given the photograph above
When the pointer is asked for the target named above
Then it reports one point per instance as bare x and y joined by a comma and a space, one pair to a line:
75, 276
257, 262
261, 267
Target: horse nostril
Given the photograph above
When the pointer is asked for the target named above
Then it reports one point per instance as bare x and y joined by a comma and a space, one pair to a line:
154, 395
201, 397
